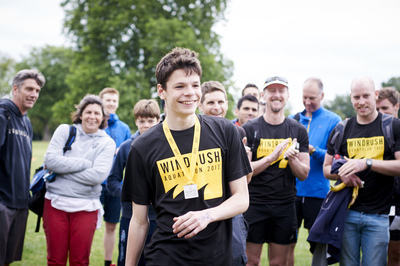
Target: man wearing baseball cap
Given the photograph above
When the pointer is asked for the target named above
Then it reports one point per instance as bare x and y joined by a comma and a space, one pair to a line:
279, 151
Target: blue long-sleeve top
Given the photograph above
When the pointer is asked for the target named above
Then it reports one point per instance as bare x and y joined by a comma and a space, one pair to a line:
114, 180
117, 130
319, 126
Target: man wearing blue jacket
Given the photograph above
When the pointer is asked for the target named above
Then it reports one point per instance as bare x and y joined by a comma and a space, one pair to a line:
319, 123
15, 162
147, 115
119, 132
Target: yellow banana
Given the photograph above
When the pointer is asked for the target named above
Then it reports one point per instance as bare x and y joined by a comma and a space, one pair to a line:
338, 187
342, 186
354, 196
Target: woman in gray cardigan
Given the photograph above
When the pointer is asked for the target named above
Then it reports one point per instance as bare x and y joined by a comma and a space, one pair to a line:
72, 206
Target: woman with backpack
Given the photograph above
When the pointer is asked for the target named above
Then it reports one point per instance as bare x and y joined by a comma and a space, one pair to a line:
72, 208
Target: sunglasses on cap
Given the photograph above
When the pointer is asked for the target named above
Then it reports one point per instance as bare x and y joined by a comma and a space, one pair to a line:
281, 79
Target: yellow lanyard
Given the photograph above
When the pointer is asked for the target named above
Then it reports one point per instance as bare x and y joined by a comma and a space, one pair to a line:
309, 122
177, 153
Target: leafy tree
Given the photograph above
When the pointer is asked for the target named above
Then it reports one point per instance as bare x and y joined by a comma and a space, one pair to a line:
342, 106
120, 42
54, 63
393, 82
6, 73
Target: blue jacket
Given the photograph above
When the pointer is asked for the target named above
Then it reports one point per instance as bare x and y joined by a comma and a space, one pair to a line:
114, 180
319, 127
117, 130
15, 156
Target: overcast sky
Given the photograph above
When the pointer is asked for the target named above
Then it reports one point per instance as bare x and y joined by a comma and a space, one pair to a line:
335, 41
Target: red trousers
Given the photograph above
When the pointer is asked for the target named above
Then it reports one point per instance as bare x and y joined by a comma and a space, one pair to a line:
68, 233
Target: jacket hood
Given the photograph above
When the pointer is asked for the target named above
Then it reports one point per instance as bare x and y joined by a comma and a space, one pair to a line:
99, 134
113, 118
11, 106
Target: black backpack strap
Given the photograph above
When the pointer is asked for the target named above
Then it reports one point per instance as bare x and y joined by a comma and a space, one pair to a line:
257, 134
297, 117
71, 138
337, 138
387, 128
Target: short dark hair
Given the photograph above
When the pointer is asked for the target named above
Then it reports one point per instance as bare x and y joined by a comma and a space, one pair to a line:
389, 93
211, 86
29, 74
249, 85
247, 97
178, 58
89, 99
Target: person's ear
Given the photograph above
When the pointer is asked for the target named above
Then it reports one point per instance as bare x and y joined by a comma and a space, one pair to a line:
160, 92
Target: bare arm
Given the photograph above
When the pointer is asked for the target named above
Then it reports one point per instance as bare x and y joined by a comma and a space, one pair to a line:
300, 165
350, 179
191, 223
386, 167
138, 228
327, 168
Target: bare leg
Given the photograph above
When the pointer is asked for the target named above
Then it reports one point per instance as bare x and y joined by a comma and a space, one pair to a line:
278, 254
393, 253
253, 252
109, 240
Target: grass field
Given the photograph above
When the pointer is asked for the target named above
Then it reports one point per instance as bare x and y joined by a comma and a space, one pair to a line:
35, 243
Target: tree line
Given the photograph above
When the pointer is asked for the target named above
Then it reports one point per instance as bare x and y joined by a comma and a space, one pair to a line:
117, 43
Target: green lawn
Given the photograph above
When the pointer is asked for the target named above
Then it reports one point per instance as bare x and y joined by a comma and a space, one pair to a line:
35, 243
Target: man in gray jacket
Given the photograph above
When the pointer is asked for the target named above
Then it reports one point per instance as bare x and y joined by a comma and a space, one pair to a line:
15, 162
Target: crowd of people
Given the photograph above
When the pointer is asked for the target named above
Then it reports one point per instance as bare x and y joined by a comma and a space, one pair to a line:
199, 189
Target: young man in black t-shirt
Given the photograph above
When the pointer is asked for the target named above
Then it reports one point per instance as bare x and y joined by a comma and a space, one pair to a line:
369, 156
276, 164
192, 169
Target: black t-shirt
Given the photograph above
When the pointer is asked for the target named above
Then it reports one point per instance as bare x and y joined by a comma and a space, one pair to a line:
153, 175
367, 141
276, 184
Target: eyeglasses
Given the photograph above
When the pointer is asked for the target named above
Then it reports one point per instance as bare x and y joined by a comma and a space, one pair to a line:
281, 79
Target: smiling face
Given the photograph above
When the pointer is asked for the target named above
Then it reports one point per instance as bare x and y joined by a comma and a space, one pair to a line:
110, 101
248, 110
363, 97
92, 117
26, 96
182, 94
275, 97
386, 107
312, 97
214, 104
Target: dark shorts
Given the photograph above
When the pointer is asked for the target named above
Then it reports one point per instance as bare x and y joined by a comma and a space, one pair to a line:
307, 208
111, 204
272, 223
12, 233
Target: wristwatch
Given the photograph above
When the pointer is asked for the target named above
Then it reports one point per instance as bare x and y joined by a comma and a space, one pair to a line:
369, 163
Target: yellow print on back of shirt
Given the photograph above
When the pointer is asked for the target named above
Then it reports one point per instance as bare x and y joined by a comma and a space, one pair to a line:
267, 146
372, 148
208, 172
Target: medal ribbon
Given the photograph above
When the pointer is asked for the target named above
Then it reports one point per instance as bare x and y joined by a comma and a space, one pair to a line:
177, 153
